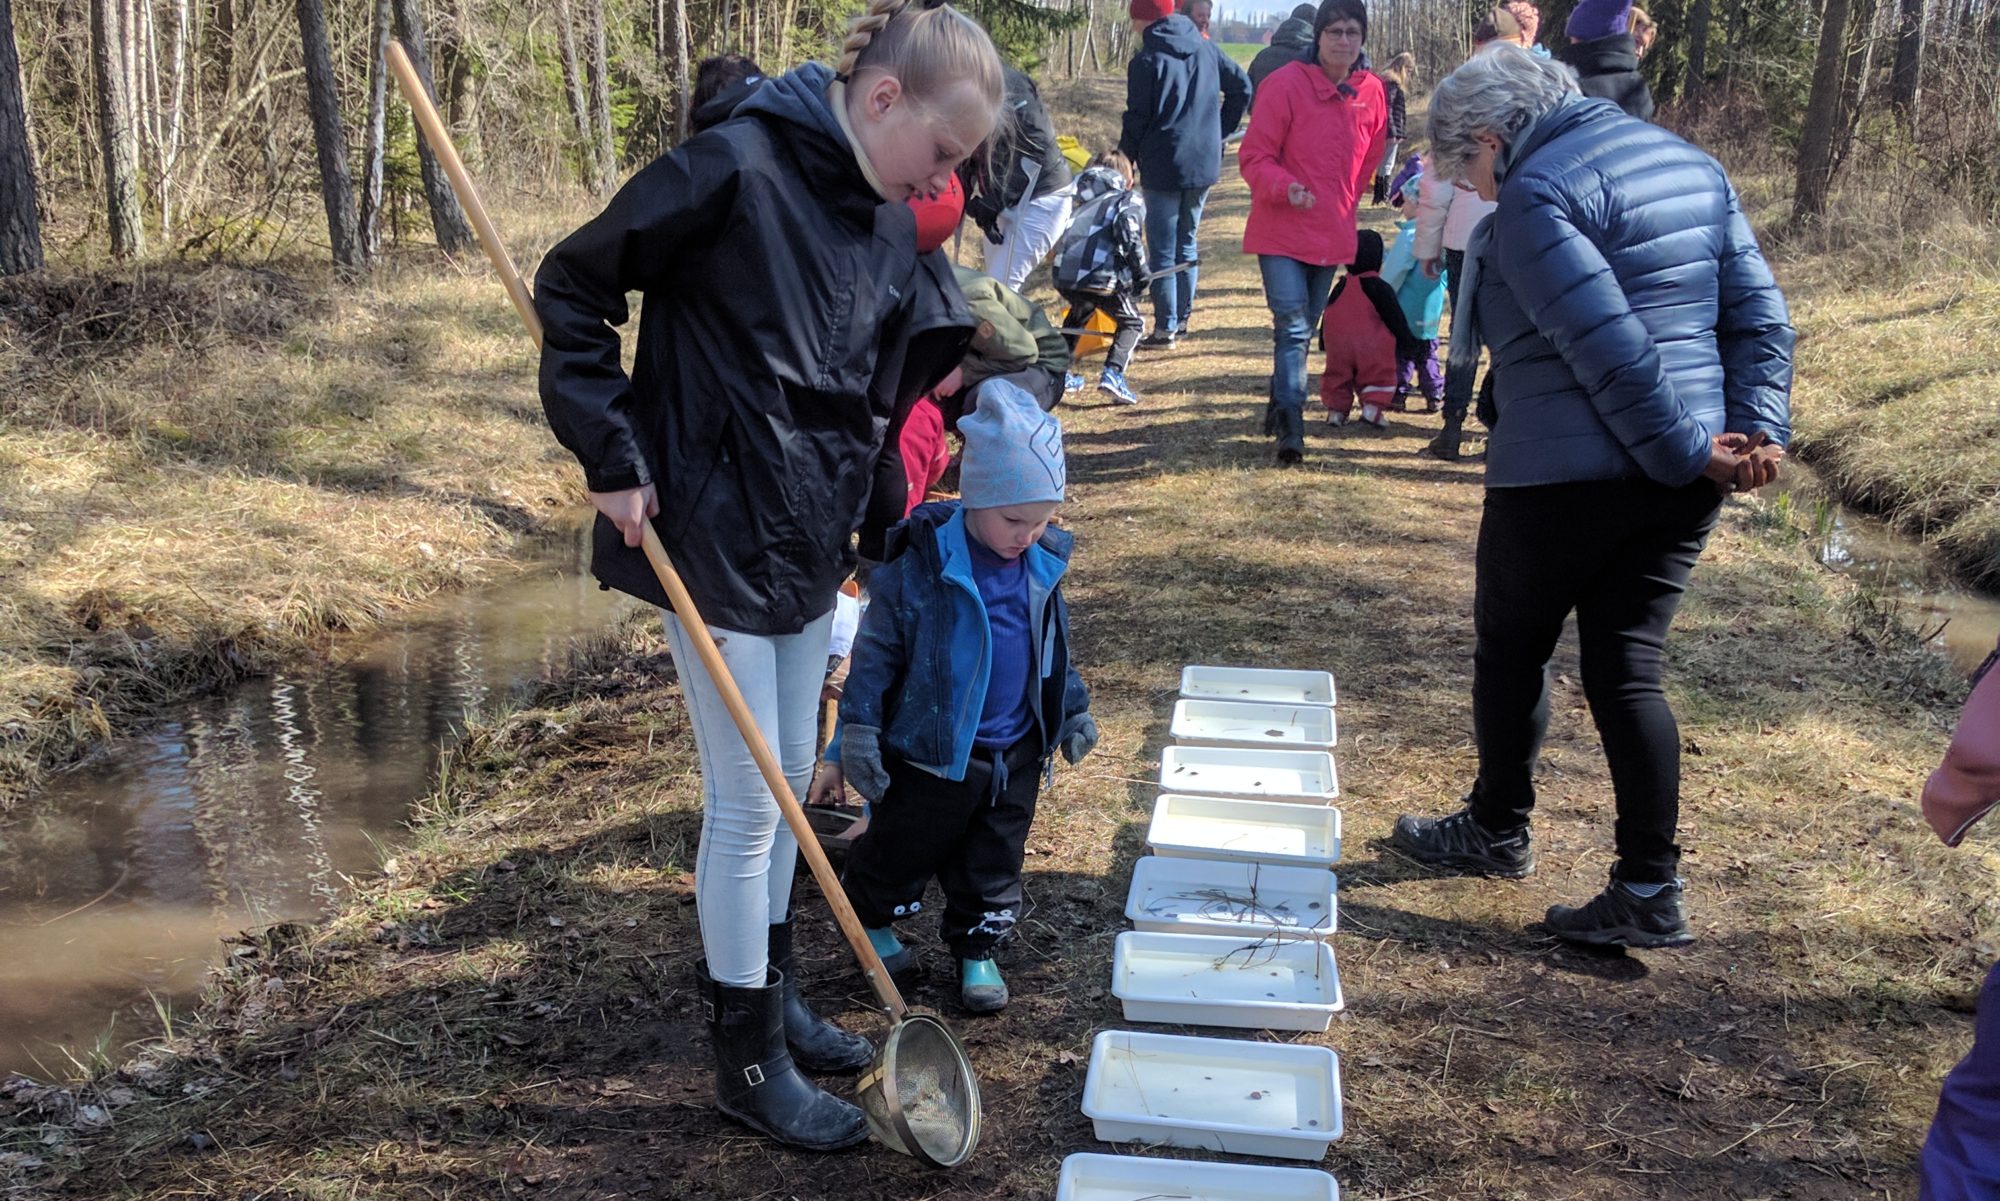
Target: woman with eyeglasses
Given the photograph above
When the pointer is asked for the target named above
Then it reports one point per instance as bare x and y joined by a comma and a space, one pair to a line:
1316, 135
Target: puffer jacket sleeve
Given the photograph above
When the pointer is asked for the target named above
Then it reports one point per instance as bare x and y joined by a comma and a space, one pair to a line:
1130, 236
1433, 202
1570, 292
1257, 158
634, 245
1754, 334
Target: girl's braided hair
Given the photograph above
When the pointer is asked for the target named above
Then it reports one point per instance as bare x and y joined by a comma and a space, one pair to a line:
927, 45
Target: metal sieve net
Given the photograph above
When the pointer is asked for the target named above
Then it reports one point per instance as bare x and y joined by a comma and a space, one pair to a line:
920, 1095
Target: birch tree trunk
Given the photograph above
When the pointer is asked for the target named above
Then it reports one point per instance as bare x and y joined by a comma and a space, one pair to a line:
115, 130
373, 133
579, 104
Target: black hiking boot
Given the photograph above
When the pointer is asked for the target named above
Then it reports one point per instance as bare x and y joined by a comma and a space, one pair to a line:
1459, 842
756, 1081
1445, 445
1619, 917
816, 1044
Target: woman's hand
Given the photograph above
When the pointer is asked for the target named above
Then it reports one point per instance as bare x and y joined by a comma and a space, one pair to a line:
628, 509
1432, 268
829, 786
1300, 195
1742, 462
1722, 462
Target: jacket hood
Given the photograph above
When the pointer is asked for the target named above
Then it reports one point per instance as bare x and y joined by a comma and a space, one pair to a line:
1602, 56
799, 98
1098, 181
919, 531
1294, 33
1367, 253
723, 104
1175, 35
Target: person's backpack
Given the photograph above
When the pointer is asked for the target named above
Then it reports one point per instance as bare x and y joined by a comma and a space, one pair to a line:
1090, 258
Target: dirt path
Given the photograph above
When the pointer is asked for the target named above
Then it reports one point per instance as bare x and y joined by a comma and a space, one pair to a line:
510, 1013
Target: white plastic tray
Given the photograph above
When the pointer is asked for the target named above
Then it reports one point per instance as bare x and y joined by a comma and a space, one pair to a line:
1234, 900
1236, 723
1277, 687
1250, 984
1088, 1177
1214, 1094
1240, 771
1237, 830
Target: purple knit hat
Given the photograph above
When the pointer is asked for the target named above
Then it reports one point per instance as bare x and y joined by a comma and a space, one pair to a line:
1594, 19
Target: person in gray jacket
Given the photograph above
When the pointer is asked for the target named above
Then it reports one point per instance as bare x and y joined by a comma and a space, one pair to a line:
1642, 369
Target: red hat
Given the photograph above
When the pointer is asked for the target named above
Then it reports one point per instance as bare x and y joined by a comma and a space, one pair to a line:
1151, 10
938, 216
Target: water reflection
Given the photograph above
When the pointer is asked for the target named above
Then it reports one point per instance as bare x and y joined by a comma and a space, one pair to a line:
1967, 622
117, 881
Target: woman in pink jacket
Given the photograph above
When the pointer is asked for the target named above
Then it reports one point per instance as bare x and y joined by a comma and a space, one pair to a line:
1316, 134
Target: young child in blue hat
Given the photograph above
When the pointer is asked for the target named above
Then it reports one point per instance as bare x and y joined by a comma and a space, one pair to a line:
960, 693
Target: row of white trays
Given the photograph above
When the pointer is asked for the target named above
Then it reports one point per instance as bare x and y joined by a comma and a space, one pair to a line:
1232, 913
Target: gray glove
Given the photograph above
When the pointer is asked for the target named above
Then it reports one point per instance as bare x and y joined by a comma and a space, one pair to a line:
1078, 737
861, 761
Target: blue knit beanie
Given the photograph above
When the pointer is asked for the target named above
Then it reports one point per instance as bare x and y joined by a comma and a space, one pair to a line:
1594, 19
1013, 450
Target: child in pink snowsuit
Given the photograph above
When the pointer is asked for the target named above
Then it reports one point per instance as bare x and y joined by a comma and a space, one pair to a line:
1363, 331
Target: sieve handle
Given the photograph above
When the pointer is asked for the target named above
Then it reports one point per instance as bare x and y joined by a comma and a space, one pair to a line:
774, 776
684, 608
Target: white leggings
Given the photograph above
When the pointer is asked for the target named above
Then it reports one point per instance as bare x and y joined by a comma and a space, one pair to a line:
743, 873
1028, 234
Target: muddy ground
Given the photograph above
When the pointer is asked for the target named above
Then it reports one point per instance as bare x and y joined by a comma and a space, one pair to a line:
509, 1012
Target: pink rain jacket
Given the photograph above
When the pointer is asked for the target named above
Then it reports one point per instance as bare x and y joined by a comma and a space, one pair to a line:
1303, 130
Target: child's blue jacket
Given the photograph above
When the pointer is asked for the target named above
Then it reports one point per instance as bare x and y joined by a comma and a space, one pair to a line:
924, 653
1421, 296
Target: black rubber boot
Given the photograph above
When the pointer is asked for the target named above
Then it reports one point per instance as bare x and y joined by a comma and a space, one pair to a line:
756, 1081
1445, 445
816, 1044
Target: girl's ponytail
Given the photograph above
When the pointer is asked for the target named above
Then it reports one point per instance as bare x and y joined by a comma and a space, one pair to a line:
862, 30
927, 45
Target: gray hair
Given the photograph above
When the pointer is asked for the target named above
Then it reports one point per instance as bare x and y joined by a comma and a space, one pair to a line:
1497, 91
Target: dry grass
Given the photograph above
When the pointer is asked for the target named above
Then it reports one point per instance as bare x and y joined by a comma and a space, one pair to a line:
207, 472
510, 1008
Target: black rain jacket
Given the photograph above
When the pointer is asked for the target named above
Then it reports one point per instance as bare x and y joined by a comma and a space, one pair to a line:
789, 324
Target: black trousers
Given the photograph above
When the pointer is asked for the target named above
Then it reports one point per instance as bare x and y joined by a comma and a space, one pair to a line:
971, 835
1458, 381
1124, 310
1618, 553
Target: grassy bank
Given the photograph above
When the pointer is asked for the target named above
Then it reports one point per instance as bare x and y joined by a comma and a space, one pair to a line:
509, 1011
1898, 398
207, 472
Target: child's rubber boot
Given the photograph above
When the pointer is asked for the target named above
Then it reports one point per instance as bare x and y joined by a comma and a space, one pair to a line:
1372, 415
980, 987
900, 960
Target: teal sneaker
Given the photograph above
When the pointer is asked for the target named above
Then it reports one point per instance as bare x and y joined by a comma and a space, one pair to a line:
900, 960
980, 987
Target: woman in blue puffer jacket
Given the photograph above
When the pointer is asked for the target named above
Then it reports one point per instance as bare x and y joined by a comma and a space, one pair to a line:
1642, 367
